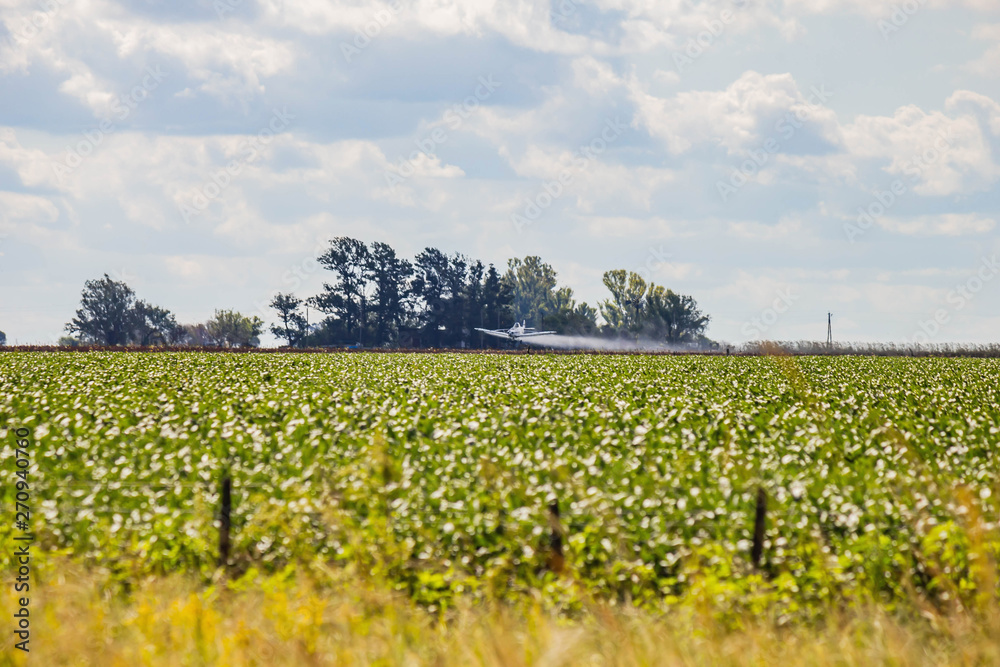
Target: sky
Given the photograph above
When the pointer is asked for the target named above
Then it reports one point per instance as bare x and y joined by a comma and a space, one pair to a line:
777, 160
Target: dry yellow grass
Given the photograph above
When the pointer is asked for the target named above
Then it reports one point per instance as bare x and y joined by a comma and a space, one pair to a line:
77, 620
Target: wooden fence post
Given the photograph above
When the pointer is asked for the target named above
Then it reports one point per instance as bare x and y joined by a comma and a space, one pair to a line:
759, 526
557, 561
225, 519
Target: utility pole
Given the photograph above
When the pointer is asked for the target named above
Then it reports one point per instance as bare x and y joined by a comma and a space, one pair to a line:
829, 329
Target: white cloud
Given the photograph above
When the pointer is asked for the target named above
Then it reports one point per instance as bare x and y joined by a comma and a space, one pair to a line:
786, 227
953, 224
942, 153
884, 9
989, 63
562, 80
20, 209
229, 64
739, 118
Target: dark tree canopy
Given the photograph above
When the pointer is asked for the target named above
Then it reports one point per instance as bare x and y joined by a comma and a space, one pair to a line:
110, 314
152, 325
107, 313
441, 283
497, 300
391, 277
292, 326
350, 261
377, 298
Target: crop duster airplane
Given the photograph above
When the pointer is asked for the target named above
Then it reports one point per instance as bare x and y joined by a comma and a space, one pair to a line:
516, 332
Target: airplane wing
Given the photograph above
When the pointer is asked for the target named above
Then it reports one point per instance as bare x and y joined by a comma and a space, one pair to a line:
499, 333
536, 333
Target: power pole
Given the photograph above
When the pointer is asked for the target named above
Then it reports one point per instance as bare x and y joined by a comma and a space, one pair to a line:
829, 329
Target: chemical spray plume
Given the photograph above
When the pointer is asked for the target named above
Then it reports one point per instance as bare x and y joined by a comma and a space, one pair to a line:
598, 344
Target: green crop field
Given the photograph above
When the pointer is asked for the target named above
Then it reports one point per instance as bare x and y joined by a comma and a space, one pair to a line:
438, 473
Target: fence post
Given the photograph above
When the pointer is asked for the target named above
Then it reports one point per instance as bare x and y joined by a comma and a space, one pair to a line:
557, 561
225, 519
759, 526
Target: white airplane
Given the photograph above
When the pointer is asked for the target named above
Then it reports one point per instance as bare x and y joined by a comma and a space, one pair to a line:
516, 332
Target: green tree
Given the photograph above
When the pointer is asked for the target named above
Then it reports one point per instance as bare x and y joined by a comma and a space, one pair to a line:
497, 300
346, 299
569, 317
292, 325
152, 325
3, 338
532, 283
623, 312
231, 329
673, 317
391, 276
106, 313
537, 299
110, 314
440, 282
637, 309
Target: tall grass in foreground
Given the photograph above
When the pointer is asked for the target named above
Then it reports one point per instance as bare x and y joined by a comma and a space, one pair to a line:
80, 619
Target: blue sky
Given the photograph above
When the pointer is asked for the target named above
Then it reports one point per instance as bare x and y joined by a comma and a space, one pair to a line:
205, 150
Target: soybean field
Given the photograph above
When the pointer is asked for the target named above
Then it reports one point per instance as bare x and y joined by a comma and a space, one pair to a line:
637, 479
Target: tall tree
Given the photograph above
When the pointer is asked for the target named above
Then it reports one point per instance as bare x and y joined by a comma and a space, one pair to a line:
440, 283
232, 329
497, 299
673, 317
537, 299
292, 326
391, 276
106, 313
457, 281
569, 317
623, 313
532, 283
636, 308
474, 295
346, 299
152, 325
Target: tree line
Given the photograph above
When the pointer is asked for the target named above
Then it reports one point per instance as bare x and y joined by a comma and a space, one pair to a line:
111, 314
375, 298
